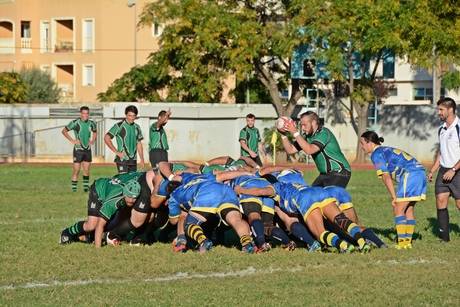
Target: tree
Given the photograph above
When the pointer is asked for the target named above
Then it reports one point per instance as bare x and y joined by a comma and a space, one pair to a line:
205, 42
40, 88
12, 88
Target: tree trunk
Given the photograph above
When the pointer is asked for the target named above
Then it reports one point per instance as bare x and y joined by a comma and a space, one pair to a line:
362, 121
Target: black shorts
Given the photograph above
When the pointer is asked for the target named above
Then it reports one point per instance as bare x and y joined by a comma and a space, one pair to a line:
156, 156
127, 166
82, 155
452, 187
250, 207
333, 178
142, 203
94, 204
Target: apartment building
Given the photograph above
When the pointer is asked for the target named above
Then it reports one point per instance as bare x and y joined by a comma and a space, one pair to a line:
84, 44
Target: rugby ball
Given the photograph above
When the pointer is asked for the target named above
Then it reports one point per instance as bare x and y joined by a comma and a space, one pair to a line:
282, 122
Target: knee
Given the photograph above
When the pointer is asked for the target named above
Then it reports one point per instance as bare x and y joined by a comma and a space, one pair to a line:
137, 219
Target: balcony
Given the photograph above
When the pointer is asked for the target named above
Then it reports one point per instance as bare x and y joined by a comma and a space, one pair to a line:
64, 46
26, 45
64, 35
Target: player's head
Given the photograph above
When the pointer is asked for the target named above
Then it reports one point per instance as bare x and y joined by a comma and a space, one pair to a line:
172, 185
163, 117
131, 113
250, 120
446, 108
131, 191
369, 140
84, 113
309, 122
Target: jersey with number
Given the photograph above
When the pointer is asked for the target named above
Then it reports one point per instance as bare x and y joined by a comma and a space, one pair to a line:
127, 136
252, 138
83, 131
158, 138
110, 193
329, 158
394, 162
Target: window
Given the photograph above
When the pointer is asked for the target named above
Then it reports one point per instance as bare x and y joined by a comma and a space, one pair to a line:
88, 75
389, 65
88, 35
393, 91
45, 37
25, 29
157, 29
421, 93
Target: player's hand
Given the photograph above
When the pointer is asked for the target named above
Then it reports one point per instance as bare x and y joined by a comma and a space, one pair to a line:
76, 142
120, 155
252, 154
169, 113
237, 189
393, 202
448, 175
430, 176
290, 126
91, 143
142, 163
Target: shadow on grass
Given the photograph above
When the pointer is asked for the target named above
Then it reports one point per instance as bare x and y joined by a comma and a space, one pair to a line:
433, 226
390, 234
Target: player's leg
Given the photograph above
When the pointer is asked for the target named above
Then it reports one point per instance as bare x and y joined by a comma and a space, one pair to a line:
333, 214
367, 233
410, 223
234, 218
297, 229
194, 231
399, 211
75, 172
86, 168
252, 211
315, 223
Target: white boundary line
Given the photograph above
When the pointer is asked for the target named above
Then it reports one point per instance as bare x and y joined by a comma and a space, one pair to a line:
180, 276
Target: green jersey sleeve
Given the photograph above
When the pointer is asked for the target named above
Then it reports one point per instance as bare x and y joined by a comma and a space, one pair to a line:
243, 135
114, 131
71, 125
140, 137
321, 139
93, 126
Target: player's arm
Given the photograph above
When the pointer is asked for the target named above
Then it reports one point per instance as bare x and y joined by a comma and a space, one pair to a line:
289, 148
108, 141
268, 191
270, 169
140, 151
229, 175
188, 164
65, 132
388, 182
165, 169
246, 148
219, 160
308, 148
99, 231
249, 162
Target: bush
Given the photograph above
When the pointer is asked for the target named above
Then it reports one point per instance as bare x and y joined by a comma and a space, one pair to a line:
40, 88
12, 88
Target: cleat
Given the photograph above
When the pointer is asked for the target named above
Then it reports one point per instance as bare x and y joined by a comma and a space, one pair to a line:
205, 246
315, 247
66, 237
290, 246
112, 239
399, 246
249, 248
179, 246
350, 249
264, 248
365, 249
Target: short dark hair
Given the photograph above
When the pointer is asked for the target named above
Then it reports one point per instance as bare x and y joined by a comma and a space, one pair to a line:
131, 108
250, 115
312, 115
84, 108
372, 136
162, 113
448, 103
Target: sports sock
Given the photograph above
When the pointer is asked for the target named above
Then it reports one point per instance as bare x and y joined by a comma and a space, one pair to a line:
371, 236
245, 240
74, 185
299, 231
443, 221
279, 236
331, 239
195, 232
410, 228
351, 228
85, 183
400, 222
123, 228
257, 228
76, 229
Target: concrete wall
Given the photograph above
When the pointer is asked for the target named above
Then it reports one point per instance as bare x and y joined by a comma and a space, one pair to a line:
203, 131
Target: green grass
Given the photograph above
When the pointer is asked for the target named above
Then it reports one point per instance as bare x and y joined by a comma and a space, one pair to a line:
36, 204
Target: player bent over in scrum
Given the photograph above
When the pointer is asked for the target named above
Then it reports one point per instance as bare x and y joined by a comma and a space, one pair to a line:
106, 196
207, 202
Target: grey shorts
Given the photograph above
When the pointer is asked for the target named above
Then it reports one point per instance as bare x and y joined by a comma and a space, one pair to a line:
452, 187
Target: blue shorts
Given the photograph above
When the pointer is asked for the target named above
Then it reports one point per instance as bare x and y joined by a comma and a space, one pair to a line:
215, 197
412, 187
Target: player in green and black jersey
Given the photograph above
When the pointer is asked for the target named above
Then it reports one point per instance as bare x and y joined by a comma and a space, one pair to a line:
129, 136
250, 140
158, 145
84, 136
321, 144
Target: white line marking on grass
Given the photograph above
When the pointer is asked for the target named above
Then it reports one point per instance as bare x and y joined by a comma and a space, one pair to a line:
180, 276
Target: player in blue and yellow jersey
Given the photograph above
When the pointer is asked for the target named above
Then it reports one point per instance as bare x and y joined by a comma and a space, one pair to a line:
283, 174
106, 197
207, 202
395, 164
258, 211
